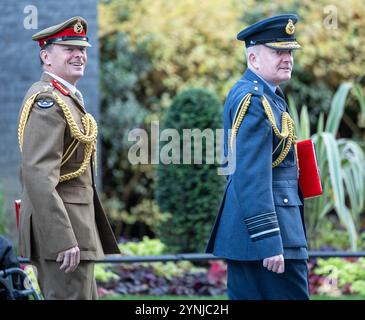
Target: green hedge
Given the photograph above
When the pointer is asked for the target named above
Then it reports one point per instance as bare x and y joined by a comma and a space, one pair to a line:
189, 192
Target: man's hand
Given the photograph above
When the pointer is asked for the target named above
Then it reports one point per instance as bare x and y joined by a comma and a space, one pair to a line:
70, 259
275, 263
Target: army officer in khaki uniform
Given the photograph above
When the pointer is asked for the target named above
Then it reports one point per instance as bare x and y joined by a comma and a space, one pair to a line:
63, 227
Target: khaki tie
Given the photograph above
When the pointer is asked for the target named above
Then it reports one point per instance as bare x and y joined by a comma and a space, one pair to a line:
79, 96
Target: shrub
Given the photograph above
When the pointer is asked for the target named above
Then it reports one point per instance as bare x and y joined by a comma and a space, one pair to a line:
340, 162
158, 278
188, 43
146, 247
104, 274
330, 235
340, 276
189, 192
154, 247
124, 185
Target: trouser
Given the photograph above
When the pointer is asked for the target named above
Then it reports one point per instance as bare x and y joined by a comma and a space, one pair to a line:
249, 280
55, 284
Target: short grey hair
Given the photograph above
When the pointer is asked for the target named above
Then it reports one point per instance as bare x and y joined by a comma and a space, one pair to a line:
254, 49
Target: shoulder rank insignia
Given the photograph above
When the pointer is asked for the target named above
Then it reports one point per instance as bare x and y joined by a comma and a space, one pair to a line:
45, 103
60, 87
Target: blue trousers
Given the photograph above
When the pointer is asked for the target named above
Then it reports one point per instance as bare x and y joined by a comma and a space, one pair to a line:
249, 280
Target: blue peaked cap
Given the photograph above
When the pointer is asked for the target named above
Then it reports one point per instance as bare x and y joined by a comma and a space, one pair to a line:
276, 32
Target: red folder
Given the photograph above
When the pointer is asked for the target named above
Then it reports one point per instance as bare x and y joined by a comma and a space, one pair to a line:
17, 212
309, 179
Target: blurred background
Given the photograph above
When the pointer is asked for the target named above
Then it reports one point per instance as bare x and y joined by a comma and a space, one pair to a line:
174, 62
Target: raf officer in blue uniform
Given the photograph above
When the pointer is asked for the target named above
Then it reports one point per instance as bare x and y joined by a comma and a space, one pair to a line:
259, 229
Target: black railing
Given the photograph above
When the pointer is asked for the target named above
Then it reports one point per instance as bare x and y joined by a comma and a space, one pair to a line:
205, 256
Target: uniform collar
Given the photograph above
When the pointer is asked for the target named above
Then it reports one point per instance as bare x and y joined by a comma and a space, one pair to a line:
269, 89
271, 86
68, 85
48, 76
251, 75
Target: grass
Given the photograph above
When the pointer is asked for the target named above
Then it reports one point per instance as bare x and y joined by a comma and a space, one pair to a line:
345, 297
143, 297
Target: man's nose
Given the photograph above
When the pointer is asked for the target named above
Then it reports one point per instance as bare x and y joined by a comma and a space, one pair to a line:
79, 53
286, 56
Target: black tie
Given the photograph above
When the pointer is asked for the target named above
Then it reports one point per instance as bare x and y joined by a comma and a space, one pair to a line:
279, 92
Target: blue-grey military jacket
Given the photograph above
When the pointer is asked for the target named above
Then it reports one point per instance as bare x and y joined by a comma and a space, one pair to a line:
261, 213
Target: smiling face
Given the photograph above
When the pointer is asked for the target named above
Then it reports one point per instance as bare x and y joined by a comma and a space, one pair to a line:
275, 66
66, 61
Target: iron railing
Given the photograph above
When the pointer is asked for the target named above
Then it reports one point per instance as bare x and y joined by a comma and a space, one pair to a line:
206, 256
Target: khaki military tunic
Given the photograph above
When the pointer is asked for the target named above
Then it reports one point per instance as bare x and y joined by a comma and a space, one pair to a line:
56, 216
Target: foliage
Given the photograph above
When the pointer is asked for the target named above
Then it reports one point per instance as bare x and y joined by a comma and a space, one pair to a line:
145, 213
190, 193
190, 44
103, 273
217, 272
359, 92
154, 247
333, 53
157, 278
146, 247
121, 68
344, 276
331, 236
29, 271
341, 165
138, 279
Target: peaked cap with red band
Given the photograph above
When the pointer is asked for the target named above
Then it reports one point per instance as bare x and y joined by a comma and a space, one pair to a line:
70, 32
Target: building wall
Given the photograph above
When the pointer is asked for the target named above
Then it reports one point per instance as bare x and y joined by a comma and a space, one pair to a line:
20, 67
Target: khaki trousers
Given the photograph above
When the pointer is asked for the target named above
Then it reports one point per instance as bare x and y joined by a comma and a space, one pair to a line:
55, 284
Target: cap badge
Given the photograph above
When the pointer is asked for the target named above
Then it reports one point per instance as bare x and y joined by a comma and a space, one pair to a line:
290, 28
78, 28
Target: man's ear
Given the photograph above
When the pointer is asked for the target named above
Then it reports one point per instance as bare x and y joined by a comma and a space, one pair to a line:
44, 57
253, 60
